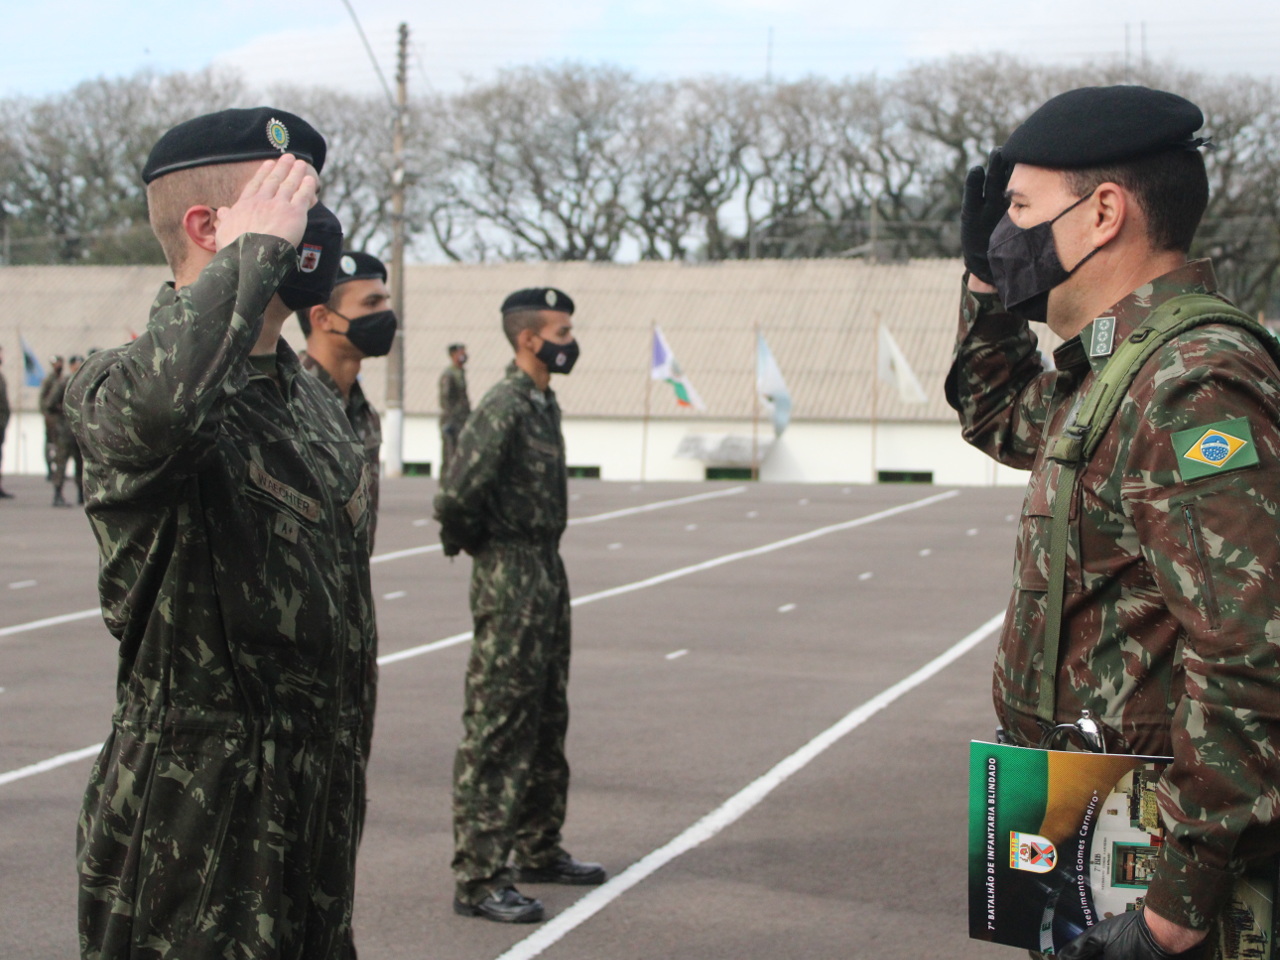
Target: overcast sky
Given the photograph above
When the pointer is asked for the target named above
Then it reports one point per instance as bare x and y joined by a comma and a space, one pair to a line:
50, 45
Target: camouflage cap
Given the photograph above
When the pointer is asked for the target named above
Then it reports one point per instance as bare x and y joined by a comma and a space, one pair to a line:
232, 136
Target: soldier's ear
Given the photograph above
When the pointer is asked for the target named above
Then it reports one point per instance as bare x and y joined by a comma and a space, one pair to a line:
319, 317
200, 223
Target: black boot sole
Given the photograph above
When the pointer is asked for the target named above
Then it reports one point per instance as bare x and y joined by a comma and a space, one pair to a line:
531, 915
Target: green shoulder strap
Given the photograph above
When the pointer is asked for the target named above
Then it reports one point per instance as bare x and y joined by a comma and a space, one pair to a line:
1080, 438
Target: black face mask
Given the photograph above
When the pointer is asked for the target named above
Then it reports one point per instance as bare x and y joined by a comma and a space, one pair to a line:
1025, 265
558, 357
311, 282
371, 334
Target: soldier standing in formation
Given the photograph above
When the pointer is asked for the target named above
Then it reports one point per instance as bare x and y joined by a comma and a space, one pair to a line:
230, 500
455, 405
1169, 626
4, 420
504, 501
356, 323
47, 386
61, 444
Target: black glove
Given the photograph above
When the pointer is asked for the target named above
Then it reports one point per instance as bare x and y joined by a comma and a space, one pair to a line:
1125, 936
983, 205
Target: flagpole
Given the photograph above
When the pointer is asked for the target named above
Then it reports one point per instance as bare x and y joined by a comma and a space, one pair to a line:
648, 393
755, 411
875, 401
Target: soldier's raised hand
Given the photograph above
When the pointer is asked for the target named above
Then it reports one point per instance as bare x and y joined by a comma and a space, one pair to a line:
982, 208
275, 202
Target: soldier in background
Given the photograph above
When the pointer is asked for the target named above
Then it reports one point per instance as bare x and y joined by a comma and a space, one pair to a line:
504, 501
455, 406
356, 323
1083, 221
62, 444
4, 420
50, 423
230, 500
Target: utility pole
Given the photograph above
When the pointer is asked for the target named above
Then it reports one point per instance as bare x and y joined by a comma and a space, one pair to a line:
395, 359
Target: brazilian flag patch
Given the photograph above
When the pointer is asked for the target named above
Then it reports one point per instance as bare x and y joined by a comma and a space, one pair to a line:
1216, 448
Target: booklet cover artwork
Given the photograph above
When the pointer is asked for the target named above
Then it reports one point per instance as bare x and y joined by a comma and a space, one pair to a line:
1060, 840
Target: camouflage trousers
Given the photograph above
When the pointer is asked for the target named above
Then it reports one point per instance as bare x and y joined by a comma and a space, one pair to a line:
510, 777
203, 838
448, 447
62, 449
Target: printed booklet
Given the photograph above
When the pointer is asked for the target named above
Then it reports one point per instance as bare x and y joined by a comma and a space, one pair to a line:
1061, 840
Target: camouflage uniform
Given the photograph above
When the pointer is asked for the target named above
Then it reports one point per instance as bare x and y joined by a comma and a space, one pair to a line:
50, 421
365, 422
62, 445
455, 407
1171, 619
504, 500
230, 502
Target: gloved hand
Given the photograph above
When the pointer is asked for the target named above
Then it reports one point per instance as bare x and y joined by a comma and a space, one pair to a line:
1125, 936
983, 206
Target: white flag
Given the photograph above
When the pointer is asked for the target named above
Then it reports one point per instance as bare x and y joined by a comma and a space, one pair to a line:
774, 395
893, 368
663, 366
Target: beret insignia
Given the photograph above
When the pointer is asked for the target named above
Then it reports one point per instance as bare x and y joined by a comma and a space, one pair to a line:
348, 264
278, 134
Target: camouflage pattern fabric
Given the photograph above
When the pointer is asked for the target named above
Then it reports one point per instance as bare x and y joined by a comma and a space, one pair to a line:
4, 404
47, 386
505, 501
1171, 620
455, 407
231, 508
365, 422
61, 444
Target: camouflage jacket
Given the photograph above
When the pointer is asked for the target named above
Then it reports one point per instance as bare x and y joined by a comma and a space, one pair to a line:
1171, 616
231, 509
507, 480
364, 421
4, 402
47, 385
455, 406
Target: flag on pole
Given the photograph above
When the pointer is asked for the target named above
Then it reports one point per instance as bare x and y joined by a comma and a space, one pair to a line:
893, 368
774, 395
665, 367
32, 372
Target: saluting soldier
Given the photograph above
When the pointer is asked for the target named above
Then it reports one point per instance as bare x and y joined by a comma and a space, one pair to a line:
230, 500
504, 501
1169, 556
455, 405
356, 323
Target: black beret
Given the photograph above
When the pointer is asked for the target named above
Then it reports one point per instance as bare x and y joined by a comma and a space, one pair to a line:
354, 265
1094, 126
457, 346
231, 136
538, 298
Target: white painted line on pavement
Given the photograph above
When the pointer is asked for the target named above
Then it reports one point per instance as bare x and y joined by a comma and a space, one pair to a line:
676, 654
866, 576
925, 552
615, 546
786, 608
61, 760
22, 584
594, 518
738, 805
395, 594
579, 601
50, 622
971, 532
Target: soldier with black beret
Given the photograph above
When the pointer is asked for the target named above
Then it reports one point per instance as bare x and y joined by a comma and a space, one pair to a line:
504, 500
455, 405
356, 323
1147, 555
230, 500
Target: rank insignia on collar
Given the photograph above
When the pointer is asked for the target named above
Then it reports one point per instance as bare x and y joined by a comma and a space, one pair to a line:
278, 134
1216, 448
1103, 342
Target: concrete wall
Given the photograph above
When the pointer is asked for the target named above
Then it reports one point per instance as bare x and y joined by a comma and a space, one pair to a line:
806, 453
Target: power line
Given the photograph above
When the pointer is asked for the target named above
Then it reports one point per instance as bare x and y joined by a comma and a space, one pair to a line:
368, 49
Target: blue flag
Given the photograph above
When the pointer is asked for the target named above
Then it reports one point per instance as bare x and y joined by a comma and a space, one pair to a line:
774, 395
32, 372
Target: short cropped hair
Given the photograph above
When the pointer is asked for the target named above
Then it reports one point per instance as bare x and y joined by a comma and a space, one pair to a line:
1171, 187
170, 196
516, 320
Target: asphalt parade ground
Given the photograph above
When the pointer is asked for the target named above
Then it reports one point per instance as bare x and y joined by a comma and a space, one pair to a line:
773, 689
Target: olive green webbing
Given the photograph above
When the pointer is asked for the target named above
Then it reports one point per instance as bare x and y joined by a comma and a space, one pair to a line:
1080, 438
